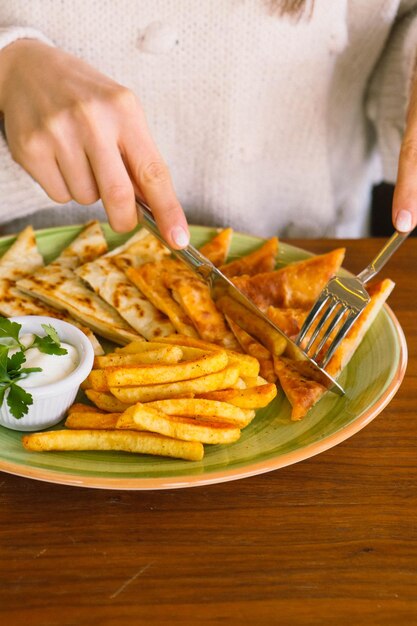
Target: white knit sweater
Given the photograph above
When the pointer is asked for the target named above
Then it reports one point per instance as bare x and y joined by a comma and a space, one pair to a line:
270, 125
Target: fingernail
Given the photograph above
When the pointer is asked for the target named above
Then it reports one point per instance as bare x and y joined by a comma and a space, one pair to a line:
404, 221
180, 236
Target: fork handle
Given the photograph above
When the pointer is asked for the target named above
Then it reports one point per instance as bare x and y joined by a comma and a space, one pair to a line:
190, 255
382, 257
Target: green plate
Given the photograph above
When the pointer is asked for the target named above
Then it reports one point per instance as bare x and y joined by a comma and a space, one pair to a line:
271, 441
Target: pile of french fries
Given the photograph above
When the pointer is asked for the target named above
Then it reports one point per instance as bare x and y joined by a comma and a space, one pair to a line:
205, 394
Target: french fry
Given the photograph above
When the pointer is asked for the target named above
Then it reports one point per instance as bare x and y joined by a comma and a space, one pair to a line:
253, 325
227, 377
80, 407
248, 365
166, 354
185, 428
250, 398
189, 353
126, 421
138, 347
106, 401
123, 440
222, 411
96, 380
134, 347
92, 421
135, 375
191, 342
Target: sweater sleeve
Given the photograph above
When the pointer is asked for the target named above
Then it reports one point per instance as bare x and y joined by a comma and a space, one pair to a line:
20, 195
390, 89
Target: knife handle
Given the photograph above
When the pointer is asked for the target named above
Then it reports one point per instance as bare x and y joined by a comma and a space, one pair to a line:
190, 255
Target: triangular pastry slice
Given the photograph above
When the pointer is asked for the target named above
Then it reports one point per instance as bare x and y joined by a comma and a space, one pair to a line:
193, 296
87, 246
289, 321
302, 392
148, 278
58, 286
217, 249
295, 376
142, 247
294, 286
112, 284
379, 292
21, 259
262, 260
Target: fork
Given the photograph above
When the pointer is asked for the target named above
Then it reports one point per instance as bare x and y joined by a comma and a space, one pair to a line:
340, 304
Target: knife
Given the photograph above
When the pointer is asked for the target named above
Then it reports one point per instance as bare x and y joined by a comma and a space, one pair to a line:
220, 284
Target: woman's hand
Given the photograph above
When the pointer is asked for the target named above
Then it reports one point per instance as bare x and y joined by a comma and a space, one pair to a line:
82, 136
404, 208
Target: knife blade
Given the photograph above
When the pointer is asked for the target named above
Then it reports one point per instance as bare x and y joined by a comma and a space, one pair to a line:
220, 285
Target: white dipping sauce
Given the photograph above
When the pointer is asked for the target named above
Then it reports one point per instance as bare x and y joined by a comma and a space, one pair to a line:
54, 367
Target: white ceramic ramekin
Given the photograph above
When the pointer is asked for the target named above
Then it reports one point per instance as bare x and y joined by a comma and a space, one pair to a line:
50, 402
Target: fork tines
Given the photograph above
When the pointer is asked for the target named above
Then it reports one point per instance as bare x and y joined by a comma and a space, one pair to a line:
321, 334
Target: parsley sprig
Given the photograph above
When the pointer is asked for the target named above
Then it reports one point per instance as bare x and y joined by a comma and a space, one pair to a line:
11, 371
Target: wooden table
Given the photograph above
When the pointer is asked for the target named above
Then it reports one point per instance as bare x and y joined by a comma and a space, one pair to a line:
332, 540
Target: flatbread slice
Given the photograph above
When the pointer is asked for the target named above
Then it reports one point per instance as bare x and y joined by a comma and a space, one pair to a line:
21, 259
14, 303
251, 346
143, 247
302, 392
295, 376
59, 287
217, 249
86, 247
193, 295
379, 292
262, 260
148, 278
289, 321
116, 289
294, 286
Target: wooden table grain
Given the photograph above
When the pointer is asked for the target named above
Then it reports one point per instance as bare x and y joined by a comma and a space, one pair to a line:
331, 540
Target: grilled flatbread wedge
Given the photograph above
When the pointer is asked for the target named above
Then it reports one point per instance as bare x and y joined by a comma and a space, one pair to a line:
141, 248
59, 287
296, 377
301, 391
116, 289
21, 259
254, 348
86, 247
217, 249
289, 321
379, 292
295, 286
193, 295
148, 278
262, 260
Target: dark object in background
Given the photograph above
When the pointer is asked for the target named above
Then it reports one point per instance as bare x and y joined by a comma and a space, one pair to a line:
381, 223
